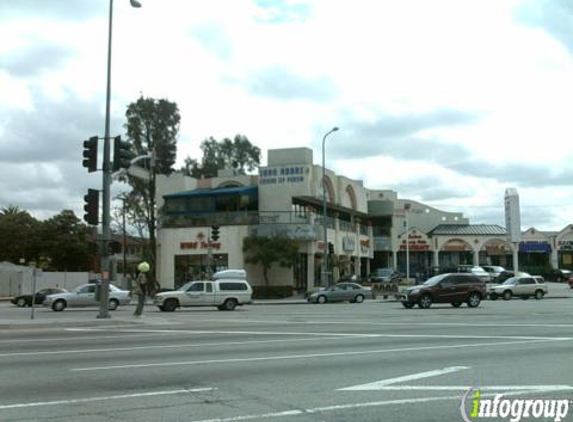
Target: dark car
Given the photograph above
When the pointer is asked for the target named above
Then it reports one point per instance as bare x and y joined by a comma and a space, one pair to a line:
385, 275
453, 288
26, 300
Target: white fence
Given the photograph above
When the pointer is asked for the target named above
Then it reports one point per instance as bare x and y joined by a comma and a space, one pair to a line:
14, 283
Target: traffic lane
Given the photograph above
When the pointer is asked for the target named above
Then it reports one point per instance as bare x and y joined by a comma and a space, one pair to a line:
254, 384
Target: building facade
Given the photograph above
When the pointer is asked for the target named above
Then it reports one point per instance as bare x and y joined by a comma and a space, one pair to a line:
367, 229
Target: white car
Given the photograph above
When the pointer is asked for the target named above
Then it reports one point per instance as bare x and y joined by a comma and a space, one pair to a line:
226, 291
520, 286
84, 296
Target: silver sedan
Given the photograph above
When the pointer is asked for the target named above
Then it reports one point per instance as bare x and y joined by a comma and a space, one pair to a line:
84, 295
341, 292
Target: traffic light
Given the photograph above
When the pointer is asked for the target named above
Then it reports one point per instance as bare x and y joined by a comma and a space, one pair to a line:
331, 248
90, 154
91, 207
214, 233
122, 154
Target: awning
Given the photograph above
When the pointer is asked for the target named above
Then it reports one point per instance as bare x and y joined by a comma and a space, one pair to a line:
535, 247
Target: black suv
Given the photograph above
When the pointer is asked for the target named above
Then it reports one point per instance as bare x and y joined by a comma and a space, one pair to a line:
453, 288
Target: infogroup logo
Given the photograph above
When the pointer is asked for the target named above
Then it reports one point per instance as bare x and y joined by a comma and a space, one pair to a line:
512, 409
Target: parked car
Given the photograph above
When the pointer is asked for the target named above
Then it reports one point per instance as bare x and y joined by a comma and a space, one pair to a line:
26, 300
479, 272
385, 275
571, 281
507, 274
494, 272
563, 275
521, 286
453, 288
84, 296
227, 290
351, 292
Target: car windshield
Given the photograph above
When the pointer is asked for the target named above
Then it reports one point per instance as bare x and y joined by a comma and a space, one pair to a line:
510, 281
434, 280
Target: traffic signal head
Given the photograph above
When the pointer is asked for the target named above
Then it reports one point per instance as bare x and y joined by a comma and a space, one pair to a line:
331, 248
214, 233
90, 154
91, 207
122, 154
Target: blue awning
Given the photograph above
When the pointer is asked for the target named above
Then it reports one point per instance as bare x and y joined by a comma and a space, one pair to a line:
535, 247
197, 193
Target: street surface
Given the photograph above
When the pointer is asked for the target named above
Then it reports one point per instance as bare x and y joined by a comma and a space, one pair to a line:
298, 362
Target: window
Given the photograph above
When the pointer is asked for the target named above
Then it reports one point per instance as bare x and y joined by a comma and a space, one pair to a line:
232, 286
196, 287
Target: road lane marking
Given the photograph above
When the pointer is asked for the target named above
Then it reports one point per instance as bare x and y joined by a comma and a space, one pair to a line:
350, 406
164, 346
540, 388
60, 339
412, 377
96, 399
350, 335
307, 356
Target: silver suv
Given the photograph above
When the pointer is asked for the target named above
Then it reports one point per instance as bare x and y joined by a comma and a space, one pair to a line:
524, 287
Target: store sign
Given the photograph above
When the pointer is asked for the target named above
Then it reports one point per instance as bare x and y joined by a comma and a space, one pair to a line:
348, 243
365, 246
282, 175
416, 242
199, 245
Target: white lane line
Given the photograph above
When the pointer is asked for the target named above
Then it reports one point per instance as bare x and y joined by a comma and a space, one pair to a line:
376, 385
163, 346
308, 356
350, 406
68, 339
539, 388
401, 323
352, 335
96, 399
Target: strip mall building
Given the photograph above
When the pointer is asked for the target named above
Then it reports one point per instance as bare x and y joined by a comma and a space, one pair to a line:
368, 228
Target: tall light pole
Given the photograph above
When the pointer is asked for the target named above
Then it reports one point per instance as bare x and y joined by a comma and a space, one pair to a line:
325, 272
106, 170
406, 209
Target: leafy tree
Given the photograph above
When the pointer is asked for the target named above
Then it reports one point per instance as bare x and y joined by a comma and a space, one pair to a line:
19, 235
152, 127
237, 154
66, 241
266, 251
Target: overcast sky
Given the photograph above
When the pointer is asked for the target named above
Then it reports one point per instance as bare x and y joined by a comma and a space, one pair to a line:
445, 102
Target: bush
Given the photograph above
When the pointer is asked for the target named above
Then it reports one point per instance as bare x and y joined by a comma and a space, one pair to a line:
273, 292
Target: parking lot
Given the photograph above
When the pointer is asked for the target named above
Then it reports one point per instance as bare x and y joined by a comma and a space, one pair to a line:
297, 362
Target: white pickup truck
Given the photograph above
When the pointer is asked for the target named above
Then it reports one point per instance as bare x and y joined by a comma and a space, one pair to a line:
226, 291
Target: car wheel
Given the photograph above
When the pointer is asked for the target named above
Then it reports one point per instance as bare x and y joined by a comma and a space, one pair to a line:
425, 301
539, 294
359, 299
456, 304
162, 308
474, 300
493, 296
21, 302
321, 299
407, 305
113, 304
506, 295
59, 305
170, 305
230, 305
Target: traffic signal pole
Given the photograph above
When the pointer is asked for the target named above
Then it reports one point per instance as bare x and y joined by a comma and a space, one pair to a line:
106, 170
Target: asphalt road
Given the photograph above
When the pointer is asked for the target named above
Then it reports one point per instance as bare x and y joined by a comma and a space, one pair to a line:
336, 362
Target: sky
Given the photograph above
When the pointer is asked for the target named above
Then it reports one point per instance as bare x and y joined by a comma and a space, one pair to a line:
447, 102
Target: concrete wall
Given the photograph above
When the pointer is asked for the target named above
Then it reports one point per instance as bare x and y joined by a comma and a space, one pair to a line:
17, 283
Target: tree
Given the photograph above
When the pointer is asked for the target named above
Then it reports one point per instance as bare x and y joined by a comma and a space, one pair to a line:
66, 241
19, 235
152, 127
237, 154
266, 251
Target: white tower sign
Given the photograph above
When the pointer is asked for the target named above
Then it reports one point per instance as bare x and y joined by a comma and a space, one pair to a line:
512, 216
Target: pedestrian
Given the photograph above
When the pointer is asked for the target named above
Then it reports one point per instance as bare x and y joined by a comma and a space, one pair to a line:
140, 287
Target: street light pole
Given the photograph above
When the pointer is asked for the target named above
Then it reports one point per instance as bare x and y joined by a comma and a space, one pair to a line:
106, 170
325, 272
